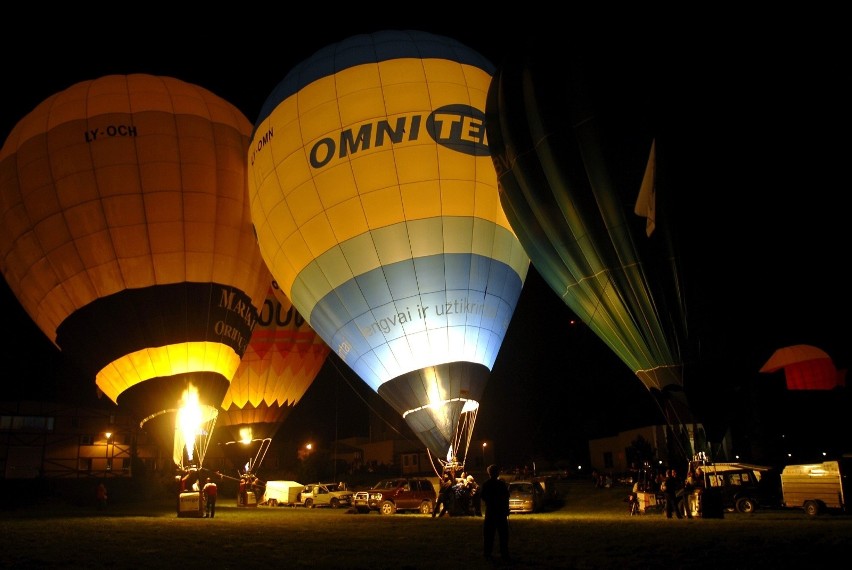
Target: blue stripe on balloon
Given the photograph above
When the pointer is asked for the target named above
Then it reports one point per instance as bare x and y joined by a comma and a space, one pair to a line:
466, 282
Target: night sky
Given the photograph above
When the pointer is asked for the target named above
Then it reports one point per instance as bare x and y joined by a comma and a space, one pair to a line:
746, 118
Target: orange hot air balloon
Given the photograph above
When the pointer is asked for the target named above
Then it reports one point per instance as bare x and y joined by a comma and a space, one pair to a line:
280, 364
126, 236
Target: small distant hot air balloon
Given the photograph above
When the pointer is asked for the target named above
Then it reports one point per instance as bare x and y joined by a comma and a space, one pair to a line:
376, 208
805, 367
126, 236
280, 364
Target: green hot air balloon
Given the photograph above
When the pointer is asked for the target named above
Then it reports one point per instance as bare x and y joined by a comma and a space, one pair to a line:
561, 163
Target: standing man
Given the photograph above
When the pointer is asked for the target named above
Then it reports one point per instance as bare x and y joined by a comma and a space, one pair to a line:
210, 491
243, 492
101, 495
445, 497
475, 496
670, 487
495, 495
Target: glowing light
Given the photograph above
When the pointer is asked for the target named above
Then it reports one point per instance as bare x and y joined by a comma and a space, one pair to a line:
189, 418
245, 435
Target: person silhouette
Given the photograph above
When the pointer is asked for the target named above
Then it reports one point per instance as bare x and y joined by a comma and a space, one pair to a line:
495, 496
210, 491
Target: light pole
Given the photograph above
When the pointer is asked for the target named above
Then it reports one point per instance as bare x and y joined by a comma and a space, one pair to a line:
106, 452
484, 445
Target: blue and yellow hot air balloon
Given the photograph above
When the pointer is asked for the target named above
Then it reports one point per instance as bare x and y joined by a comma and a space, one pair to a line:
375, 203
127, 237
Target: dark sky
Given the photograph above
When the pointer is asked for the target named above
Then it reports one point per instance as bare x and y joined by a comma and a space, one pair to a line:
747, 117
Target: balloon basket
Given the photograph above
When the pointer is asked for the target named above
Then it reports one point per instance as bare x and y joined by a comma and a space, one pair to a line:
190, 505
250, 501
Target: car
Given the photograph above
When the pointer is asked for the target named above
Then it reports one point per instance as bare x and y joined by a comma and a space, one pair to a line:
325, 495
741, 487
390, 496
525, 496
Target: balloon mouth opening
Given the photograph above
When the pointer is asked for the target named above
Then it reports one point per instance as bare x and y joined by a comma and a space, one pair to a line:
469, 406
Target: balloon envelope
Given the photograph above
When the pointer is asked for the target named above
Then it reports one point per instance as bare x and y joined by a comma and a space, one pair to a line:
280, 364
805, 367
126, 235
559, 188
376, 208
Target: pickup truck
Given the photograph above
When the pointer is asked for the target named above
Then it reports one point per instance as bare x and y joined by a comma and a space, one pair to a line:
325, 495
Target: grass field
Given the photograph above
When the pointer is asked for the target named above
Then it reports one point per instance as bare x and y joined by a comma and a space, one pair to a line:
590, 528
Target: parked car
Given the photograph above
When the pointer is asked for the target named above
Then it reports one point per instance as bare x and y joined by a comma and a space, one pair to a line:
325, 494
525, 496
742, 487
392, 495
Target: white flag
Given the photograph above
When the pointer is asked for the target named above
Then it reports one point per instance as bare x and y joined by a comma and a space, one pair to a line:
646, 203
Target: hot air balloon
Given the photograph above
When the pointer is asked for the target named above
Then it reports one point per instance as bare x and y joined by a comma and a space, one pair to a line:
565, 195
376, 208
805, 367
280, 364
126, 236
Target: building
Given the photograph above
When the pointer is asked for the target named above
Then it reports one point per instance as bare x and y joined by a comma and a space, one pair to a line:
60, 441
613, 453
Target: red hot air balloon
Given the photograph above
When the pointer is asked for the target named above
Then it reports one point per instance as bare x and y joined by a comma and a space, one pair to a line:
805, 367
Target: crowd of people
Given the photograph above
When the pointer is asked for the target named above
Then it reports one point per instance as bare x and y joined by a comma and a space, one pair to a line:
249, 482
458, 496
680, 495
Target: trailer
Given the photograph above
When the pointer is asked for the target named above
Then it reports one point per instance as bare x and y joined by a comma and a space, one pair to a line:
816, 488
280, 493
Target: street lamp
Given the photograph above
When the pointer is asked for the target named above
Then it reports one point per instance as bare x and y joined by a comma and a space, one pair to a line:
106, 451
484, 445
